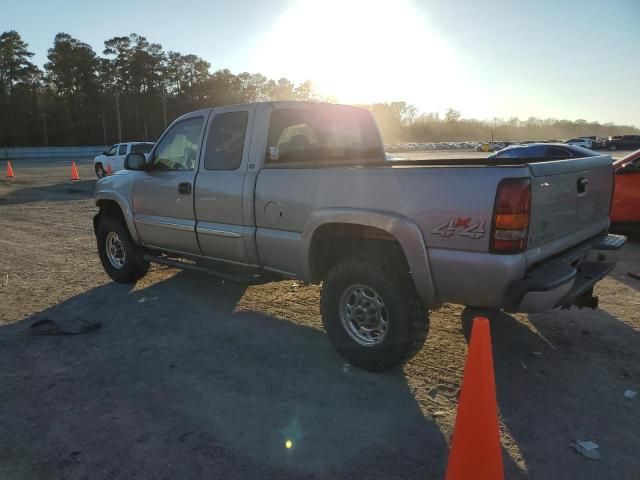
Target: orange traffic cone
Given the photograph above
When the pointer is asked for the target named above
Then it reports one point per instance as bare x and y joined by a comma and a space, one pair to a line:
109, 171
475, 448
9, 170
74, 171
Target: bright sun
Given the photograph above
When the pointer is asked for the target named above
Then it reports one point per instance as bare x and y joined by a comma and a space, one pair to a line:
361, 51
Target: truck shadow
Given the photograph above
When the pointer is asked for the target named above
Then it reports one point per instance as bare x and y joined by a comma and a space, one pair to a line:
562, 378
58, 192
180, 383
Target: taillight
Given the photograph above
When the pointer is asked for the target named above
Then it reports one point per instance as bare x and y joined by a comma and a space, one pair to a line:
511, 214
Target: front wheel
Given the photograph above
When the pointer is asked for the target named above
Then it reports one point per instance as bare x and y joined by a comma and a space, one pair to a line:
613, 148
372, 313
121, 258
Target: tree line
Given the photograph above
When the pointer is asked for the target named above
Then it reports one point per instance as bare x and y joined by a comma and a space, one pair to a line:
135, 88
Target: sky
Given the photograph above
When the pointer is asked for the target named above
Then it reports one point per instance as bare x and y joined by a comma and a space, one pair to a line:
573, 59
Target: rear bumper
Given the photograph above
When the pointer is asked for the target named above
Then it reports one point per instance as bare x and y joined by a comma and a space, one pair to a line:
567, 279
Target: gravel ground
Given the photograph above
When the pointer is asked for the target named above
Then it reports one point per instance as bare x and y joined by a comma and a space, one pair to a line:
192, 377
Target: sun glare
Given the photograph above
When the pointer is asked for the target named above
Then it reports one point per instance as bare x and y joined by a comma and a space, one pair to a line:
361, 51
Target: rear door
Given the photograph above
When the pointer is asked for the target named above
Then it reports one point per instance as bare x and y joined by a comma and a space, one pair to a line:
570, 203
163, 195
220, 186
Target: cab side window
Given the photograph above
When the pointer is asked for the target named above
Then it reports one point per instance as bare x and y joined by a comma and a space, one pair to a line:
225, 142
178, 149
112, 151
122, 150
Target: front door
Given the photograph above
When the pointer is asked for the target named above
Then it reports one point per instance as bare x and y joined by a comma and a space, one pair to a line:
163, 195
118, 160
108, 157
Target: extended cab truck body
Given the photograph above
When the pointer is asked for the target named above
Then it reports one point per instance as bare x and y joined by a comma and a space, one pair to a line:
303, 190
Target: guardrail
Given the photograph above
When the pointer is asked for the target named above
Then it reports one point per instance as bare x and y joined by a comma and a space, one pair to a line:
71, 153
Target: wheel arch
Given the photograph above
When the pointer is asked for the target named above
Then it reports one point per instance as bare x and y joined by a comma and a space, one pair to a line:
114, 203
327, 226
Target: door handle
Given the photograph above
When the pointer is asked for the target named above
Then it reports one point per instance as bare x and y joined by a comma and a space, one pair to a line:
582, 185
184, 188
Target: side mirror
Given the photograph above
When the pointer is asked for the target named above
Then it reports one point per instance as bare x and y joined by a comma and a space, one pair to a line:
104, 153
135, 161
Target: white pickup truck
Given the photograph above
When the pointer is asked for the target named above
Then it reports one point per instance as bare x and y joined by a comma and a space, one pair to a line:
113, 159
303, 190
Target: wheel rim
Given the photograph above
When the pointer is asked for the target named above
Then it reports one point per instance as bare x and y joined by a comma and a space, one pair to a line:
364, 315
115, 250
100, 171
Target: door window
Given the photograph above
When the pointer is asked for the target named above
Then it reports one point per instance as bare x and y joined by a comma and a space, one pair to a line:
112, 151
558, 153
141, 147
179, 147
226, 141
122, 150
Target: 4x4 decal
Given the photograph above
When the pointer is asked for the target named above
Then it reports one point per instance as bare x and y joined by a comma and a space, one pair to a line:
464, 227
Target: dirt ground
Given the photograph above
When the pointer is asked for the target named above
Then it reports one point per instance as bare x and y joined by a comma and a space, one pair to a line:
193, 377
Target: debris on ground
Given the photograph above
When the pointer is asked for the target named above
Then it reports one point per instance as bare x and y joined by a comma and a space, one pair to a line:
588, 449
630, 394
47, 326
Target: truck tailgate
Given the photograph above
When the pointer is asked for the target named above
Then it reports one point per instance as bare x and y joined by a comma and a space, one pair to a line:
569, 203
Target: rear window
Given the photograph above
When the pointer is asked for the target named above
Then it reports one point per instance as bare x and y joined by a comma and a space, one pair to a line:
558, 153
581, 152
323, 135
536, 151
141, 147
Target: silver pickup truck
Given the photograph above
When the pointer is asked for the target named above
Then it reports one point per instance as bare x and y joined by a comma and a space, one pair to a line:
303, 190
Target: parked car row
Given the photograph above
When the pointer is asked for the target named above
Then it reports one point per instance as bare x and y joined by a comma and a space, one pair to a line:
623, 142
414, 146
619, 142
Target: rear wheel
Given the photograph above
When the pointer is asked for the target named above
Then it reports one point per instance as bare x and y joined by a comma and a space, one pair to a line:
121, 258
100, 171
372, 313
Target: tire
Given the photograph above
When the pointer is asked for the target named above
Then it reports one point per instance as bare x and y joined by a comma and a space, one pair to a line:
613, 148
100, 171
133, 265
407, 323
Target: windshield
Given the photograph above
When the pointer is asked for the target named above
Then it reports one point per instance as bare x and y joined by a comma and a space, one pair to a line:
141, 147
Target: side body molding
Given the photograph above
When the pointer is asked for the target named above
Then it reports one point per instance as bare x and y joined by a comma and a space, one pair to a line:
403, 230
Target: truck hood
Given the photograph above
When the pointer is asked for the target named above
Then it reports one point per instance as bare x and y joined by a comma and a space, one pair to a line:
120, 182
